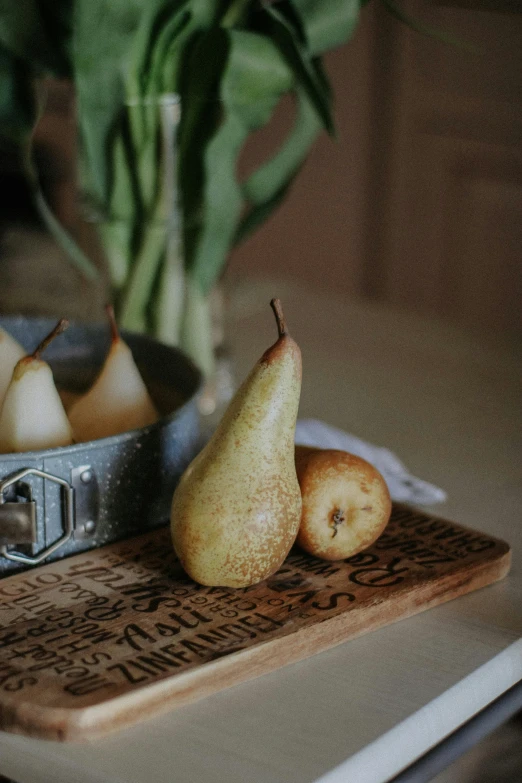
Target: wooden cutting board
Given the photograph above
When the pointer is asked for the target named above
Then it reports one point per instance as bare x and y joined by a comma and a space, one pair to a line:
108, 638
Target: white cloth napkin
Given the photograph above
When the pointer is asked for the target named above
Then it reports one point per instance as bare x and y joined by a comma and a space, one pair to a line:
401, 484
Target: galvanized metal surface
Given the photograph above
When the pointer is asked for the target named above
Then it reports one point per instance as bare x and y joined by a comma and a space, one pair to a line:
123, 484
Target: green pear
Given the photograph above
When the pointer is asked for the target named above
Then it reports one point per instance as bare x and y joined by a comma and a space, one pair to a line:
32, 415
10, 353
236, 511
118, 400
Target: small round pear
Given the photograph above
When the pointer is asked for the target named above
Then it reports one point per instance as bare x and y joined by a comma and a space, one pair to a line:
346, 502
236, 511
10, 353
33, 416
118, 400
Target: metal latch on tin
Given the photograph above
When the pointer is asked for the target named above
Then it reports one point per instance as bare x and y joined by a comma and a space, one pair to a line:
18, 512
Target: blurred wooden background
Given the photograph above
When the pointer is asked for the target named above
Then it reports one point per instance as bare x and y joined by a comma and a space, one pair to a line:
419, 200
417, 203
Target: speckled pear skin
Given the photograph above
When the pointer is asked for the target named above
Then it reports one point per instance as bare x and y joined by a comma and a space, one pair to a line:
236, 511
346, 502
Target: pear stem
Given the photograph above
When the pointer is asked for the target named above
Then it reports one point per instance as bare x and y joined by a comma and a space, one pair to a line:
115, 335
60, 327
276, 306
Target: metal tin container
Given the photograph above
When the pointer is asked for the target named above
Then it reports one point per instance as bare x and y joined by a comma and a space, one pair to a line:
64, 500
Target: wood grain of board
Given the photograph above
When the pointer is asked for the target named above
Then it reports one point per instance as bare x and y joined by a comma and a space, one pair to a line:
105, 639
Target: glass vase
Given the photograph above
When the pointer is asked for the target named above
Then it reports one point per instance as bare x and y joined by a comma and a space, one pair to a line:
140, 232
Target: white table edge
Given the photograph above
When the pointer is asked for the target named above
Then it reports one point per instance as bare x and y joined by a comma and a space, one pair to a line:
407, 741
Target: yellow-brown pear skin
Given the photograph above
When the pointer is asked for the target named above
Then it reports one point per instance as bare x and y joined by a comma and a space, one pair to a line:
32, 416
346, 502
236, 511
118, 400
10, 353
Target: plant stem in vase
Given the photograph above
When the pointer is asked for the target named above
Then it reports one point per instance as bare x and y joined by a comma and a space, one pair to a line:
167, 96
153, 290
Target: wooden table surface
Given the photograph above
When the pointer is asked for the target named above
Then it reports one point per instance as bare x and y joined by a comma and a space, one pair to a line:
449, 405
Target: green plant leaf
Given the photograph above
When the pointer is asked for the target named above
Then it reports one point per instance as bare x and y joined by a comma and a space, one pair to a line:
265, 189
258, 214
158, 35
203, 63
294, 50
62, 236
159, 20
118, 151
222, 202
236, 13
118, 229
37, 31
255, 76
103, 30
57, 16
137, 293
207, 12
18, 110
196, 327
162, 73
327, 23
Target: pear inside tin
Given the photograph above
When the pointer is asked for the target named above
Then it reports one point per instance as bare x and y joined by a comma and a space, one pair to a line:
132, 475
